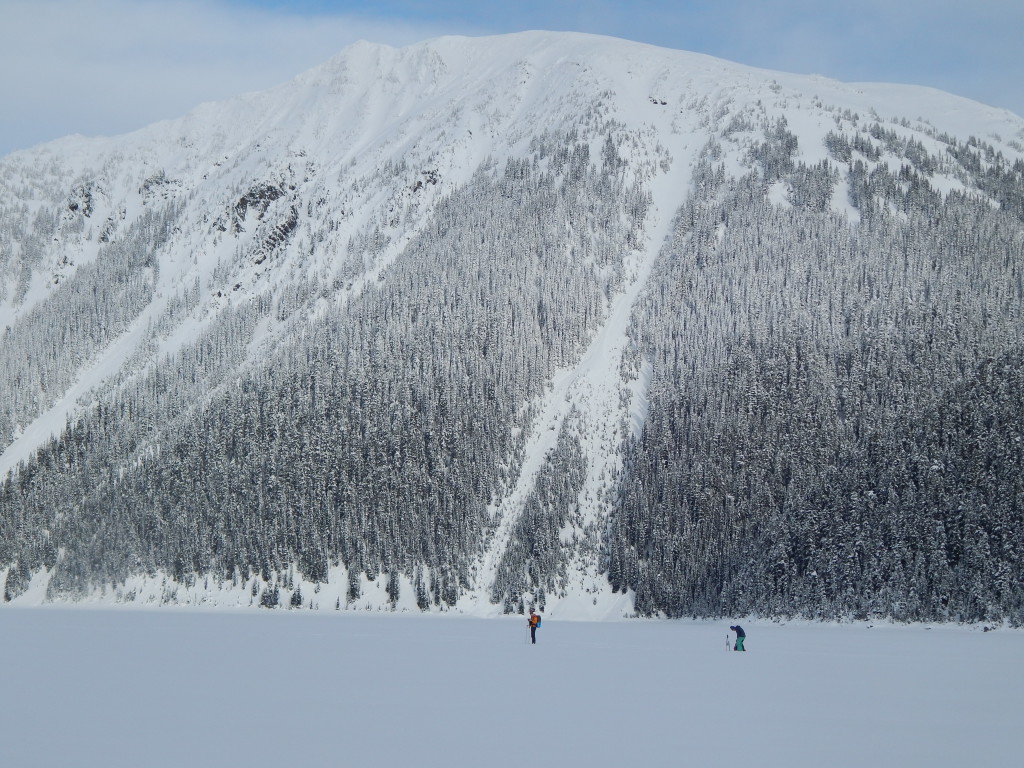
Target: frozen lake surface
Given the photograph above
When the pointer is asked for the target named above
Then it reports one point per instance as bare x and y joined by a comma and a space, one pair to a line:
173, 687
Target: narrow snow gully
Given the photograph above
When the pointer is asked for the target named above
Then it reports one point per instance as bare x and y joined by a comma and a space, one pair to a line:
593, 387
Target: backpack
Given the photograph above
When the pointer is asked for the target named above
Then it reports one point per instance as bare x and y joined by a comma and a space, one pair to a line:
538, 621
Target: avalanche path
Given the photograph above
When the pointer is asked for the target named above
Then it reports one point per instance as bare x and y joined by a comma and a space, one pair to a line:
594, 387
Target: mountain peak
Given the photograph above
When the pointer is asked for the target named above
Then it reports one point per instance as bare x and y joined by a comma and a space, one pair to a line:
542, 319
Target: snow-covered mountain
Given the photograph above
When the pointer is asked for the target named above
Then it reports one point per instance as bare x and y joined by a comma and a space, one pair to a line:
541, 318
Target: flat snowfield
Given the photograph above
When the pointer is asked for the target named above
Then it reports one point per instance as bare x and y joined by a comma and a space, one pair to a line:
171, 687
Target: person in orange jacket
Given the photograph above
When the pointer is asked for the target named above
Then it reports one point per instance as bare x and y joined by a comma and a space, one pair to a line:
534, 622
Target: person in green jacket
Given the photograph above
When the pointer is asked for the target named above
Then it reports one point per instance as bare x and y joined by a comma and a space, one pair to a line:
740, 637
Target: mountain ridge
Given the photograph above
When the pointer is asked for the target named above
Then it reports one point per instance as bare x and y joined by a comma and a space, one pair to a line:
226, 238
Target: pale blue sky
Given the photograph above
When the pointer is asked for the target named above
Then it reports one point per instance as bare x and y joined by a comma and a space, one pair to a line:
110, 66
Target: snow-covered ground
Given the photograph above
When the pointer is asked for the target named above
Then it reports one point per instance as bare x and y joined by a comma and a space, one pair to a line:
177, 687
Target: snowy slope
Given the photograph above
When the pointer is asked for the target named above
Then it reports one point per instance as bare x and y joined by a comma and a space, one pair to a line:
274, 188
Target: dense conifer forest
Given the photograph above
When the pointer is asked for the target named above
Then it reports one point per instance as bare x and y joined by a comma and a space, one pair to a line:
378, 438
836, 424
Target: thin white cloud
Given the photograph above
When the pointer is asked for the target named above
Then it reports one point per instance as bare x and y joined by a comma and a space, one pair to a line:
111, 66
